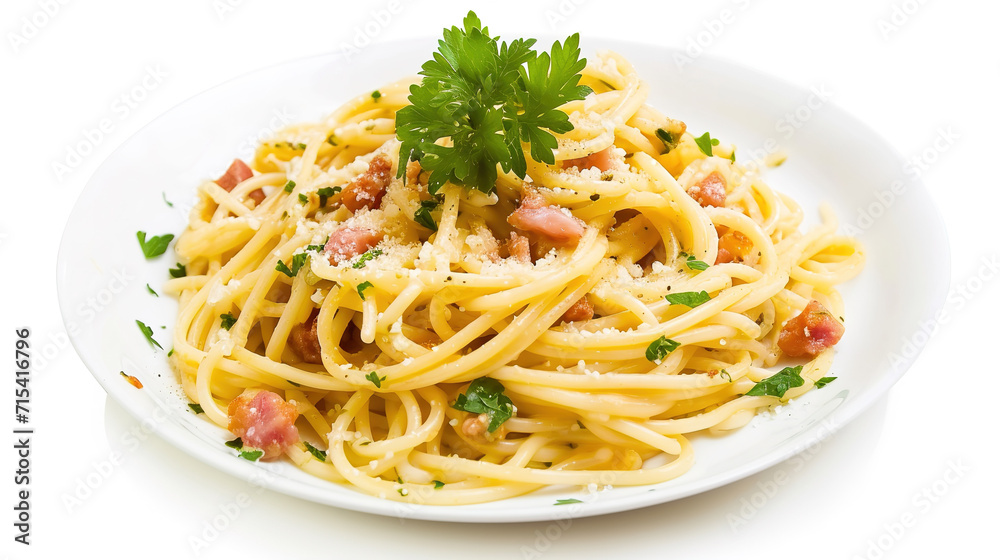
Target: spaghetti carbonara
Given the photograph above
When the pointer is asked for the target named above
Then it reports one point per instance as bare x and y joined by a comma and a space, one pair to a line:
569, 328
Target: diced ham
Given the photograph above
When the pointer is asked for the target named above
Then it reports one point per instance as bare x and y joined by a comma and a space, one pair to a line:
367, 189
476, 427
537, 216
348, 242
810, 332
710, 191
519, 248
734, 247
304, 339
263, 420
236, 174
601, 160
582, 310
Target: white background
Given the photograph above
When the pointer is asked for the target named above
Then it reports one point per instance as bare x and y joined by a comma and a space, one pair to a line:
912, 478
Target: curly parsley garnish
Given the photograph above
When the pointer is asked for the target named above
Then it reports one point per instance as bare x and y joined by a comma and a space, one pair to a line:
485, 395
488, 97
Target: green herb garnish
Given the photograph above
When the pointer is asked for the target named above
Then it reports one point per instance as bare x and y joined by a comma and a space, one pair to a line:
695, 264
423, 214
252, 455
705, 143
375, 379
179, 272
289, 186
235, 443
690, 299
227, 320
152, 291
566, 501
485, 395
488, 98
824, 381
778, 384
325, 193
196, 408
148, 332
298, 261
365, 257
154, 246
659, 348
438, 485
317, 453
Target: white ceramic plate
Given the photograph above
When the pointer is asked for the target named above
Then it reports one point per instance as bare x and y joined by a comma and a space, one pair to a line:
102, 275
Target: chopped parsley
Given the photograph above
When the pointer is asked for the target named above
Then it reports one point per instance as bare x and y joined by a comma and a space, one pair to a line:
154, 246
375, 379
170, 353
325, 193
669, 142
227, 320
170, 204
778, 384
303, 198
567, 501
289, 186
725, 374
152, 291
695, 264
659, 348
298, 261
690, 299
824, 381
705, 143
235, 443
438, 485
320, 247
423, 214
196, 408
365, 257
376, 95
252, 455
485, 395
293, 384
148, 332
362, 287
317, 453
488, 98
179, 272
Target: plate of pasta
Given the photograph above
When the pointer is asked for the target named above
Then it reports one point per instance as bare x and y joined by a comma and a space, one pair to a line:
483, 281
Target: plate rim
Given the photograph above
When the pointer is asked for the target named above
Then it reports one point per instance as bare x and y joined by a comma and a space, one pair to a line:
180, 438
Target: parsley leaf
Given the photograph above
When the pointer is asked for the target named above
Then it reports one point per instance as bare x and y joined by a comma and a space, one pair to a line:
289, 186
252, 455
438, 485
695, 264
303, 199
325, 193
365, 257
375, 379
824, 381
705, 143
488, 98
170, 204
659, 348
423, 214
485, 395
567, 501
362, 287
179, 272
297, 261
690, 299
778, 384
152, 291
155, 246
317, 453
228, 320
196, 408
235, 443
669, 142
376, 95
148, 332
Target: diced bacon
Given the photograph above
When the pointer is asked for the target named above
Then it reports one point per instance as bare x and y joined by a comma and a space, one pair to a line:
582, 310
367, 189
475, 427
413, 171
536, 216
710, 191
349, 242
236, 174
810, 332
734, 247
601, 160
304, 339
263, 420
519, 248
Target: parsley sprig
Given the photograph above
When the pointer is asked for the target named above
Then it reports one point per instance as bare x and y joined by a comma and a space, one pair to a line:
486, 395
488, 97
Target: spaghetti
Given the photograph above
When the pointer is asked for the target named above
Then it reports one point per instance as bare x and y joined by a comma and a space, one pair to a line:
645, 290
